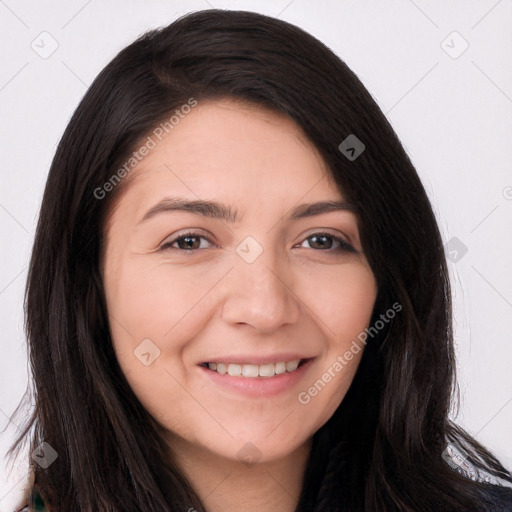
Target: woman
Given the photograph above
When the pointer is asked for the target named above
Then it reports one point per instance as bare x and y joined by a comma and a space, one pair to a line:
238, 296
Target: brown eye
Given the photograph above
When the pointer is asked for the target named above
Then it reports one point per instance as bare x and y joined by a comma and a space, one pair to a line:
328, 242
186, 242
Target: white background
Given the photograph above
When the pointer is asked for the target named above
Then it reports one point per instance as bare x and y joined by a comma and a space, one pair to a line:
453, 115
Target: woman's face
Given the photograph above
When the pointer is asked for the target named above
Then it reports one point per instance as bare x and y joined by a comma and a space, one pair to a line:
258, 289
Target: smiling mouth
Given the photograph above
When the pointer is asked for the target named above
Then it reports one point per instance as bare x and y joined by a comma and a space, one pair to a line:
255, 370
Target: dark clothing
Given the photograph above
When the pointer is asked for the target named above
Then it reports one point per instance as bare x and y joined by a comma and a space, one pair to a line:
322, 493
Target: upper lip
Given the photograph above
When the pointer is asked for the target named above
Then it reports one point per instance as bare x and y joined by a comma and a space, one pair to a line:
256, 359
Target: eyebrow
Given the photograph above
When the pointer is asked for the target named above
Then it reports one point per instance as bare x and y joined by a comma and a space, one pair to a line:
216, 210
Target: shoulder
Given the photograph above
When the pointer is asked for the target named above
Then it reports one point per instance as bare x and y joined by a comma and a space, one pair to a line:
497, 495
500, 497
25, 508
34, 502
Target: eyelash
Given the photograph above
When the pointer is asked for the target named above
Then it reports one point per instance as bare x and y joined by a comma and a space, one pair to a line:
343, 245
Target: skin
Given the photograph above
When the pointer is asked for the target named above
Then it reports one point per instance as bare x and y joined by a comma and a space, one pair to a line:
297, 296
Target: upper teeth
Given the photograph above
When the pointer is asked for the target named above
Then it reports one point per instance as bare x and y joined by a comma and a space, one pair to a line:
254, 370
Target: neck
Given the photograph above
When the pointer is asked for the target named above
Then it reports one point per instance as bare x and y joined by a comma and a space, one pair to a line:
225, 484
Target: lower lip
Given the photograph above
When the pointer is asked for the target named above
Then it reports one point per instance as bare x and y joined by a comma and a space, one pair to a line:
259, 386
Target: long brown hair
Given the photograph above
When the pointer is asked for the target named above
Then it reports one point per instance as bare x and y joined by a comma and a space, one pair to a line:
392, 428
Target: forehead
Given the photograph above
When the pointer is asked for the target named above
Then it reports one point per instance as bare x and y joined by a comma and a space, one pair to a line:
238, 150
228, 135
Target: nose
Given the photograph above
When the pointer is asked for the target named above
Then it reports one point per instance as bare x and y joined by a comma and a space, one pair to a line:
260, 295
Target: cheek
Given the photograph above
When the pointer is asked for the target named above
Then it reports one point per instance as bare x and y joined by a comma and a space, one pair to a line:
354, 307
343, 305
144, 303
151, 300
342, 300
161, 303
